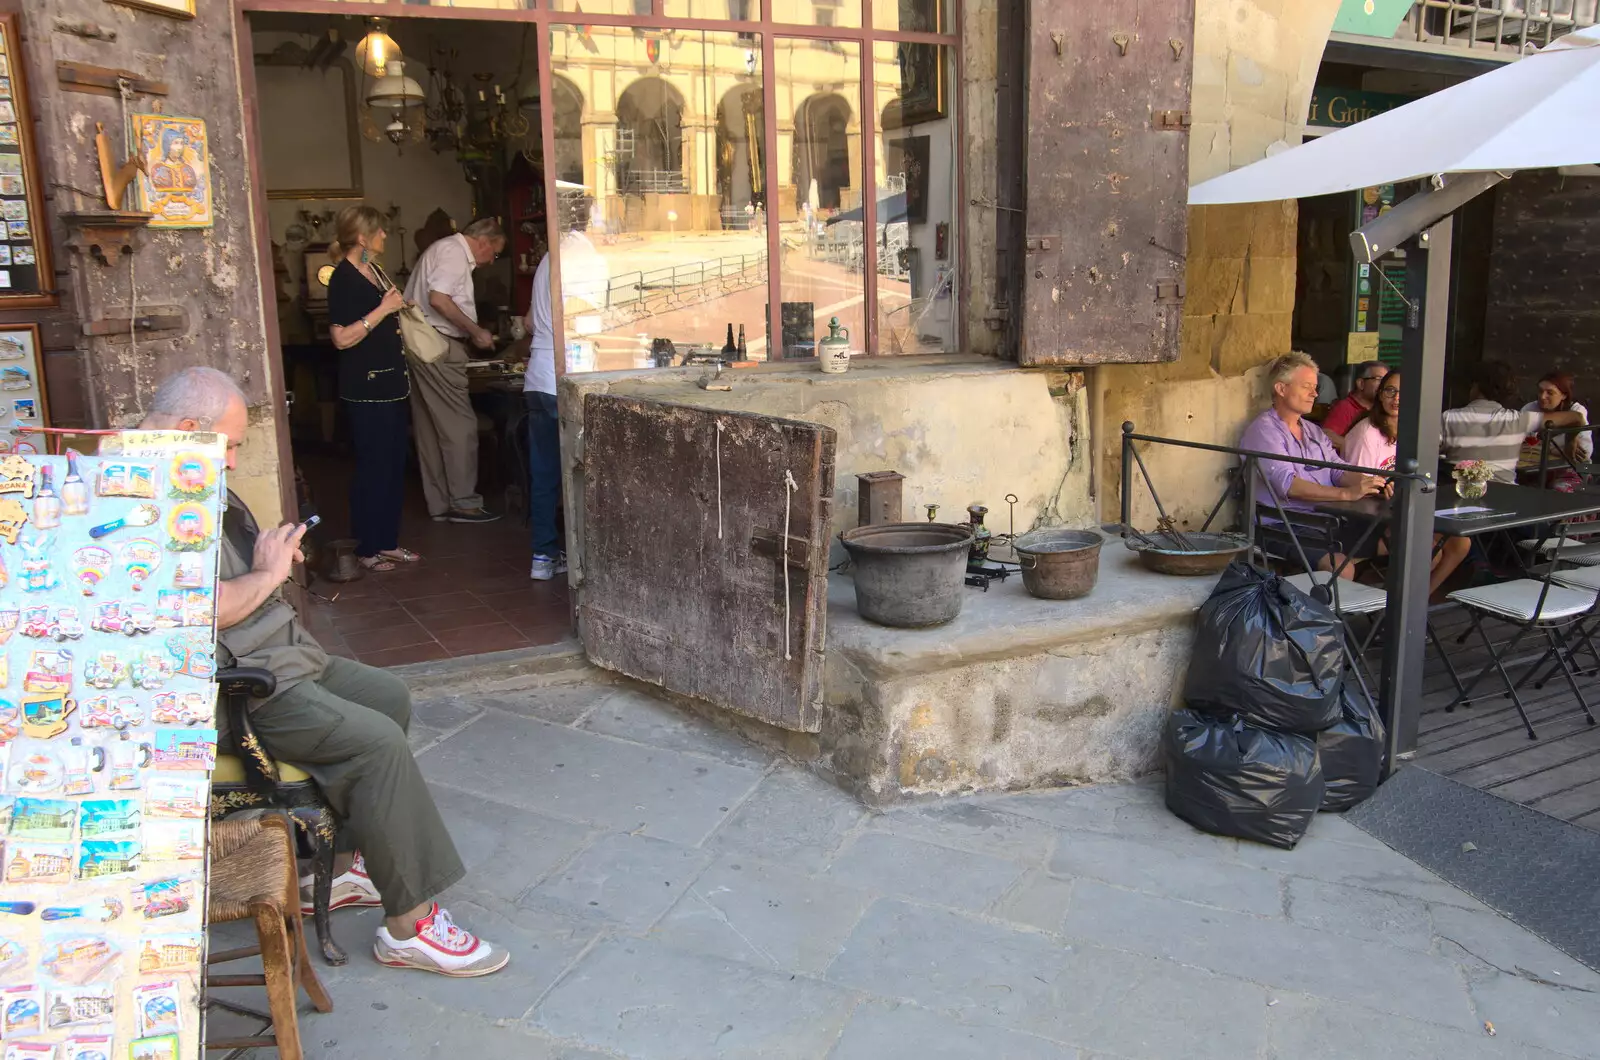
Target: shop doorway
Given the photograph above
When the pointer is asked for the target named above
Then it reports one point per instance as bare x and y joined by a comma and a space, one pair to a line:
463, 143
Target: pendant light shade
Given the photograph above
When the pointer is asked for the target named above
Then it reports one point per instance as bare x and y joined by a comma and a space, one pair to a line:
394, 90
377, 49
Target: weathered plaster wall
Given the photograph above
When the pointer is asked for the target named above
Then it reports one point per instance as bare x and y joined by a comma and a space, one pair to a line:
980, 54
1255, 62
210, 276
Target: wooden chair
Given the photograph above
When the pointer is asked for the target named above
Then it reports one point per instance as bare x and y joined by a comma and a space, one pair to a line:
251, 780
253, 877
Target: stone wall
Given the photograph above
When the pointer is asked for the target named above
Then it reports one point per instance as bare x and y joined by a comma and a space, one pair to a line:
1255, 62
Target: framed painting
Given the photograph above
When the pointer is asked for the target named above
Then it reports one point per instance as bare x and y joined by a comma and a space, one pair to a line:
175, 186
170, 8
23, 402
922, 83
27, 278
303, 159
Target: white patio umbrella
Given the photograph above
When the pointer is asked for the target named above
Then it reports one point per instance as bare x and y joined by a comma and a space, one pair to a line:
1534, 113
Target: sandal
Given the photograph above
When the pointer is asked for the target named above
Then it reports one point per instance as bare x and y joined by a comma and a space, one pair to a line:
400, 555
376, 563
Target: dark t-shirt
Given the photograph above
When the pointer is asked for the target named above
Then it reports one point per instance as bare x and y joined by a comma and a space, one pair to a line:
374, 369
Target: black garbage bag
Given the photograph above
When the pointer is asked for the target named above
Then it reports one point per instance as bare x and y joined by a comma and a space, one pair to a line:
1229, 777
1266, 650
1352, 751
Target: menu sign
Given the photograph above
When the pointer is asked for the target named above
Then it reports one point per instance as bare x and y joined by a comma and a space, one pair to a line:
26, 279
108, 569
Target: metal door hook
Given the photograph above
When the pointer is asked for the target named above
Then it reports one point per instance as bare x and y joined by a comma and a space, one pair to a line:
1121, 40
1058, 39
1177, 48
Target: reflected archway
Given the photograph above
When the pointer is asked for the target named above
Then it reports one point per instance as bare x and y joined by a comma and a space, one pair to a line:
650, 138
822, 149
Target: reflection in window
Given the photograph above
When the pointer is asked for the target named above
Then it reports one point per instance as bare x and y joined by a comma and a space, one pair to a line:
912, 16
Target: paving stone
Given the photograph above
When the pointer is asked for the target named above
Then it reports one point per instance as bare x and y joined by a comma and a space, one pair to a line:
1066, 808
1360, 913
506, 849
764, 914
561, 703
1274, 953
632, 715
1308, 1028
1145, 816
647, 1000
385, 1029
1356, 866
1148, 866
629, 880
887, 1031
1037, 899
580, 776
542, 944
793, 817
435, 716
1563, 1020
890, 864
1336, 829
970, 825
983, 973
1488, 941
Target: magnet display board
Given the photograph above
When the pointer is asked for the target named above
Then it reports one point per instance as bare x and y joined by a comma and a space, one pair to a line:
26, 277
108, 572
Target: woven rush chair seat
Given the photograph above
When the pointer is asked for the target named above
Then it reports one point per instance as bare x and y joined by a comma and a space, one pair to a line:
253, 876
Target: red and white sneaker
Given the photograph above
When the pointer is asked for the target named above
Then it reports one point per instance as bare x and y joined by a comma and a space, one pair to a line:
352, 888
440, 946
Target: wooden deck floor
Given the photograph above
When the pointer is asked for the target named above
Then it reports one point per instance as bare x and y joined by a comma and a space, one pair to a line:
1485, 744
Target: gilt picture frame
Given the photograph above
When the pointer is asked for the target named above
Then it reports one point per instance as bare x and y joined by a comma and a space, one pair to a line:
170, 8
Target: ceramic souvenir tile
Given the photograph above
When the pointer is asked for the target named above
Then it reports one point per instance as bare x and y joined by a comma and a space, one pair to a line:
20, 1011
43, 820
79, 959
156, 1008
109, 818
101, 858
87, 1006
166, 954
185, 749
175, 183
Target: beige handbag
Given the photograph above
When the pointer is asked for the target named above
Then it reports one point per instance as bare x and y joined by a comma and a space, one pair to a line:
420, 339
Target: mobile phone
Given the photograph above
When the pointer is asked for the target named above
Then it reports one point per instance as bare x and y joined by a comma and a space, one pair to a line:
311, 522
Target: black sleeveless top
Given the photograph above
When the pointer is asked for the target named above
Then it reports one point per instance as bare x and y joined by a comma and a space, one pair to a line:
374, 369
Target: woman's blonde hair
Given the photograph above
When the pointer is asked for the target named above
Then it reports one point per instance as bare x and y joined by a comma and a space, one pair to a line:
349, 226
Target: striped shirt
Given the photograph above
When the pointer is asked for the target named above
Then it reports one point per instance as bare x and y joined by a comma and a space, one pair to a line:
1488, 431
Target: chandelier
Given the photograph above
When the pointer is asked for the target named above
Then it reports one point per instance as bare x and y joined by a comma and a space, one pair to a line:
394, 107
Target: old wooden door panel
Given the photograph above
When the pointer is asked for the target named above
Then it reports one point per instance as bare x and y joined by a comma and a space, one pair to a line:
1107, 180
684, 512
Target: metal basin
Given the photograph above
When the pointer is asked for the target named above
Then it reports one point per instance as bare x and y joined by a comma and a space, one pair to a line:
1210, 554
909, 574
1059, 564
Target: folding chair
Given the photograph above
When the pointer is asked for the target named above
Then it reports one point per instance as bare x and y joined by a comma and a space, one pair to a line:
1532, 604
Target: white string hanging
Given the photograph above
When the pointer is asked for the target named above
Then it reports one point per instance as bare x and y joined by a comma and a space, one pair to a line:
720, 428
790, 486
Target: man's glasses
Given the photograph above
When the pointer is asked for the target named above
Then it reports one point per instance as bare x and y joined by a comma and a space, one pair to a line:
1371, 378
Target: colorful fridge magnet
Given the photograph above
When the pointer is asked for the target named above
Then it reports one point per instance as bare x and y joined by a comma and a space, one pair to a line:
128, 756
161, 954
156, 1007
30, 1051
193, 477
17, 475
190, 709
109, 819
79, 764
91, 564
45, 717
185, 749
8, 623
102, 712
164, 1047
74, 491
38, 862
66, 625
105, 671
79, 959
169, 896
151, 671
12, 516
128, 619
189, 526
10, 721
36, 621
98, 858
119, 478
20, 1012
7, 802
177, 796
99, 911
35, 771
44, 820
142, 515
199, 608
13, 956
85, 1007
190, 573
140, 557
46, 504
87, 1047
49, 670
38, 573
192, 654
174, 840
5, 669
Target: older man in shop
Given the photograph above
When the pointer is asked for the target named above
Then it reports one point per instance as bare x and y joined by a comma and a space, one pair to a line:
443, 420
339, 720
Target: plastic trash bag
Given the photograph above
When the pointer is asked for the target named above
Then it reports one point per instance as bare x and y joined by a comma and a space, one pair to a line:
1352, 752
1266, 650
1228, 777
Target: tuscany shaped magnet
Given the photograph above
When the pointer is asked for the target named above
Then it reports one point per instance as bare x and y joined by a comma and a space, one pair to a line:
16, 475
97, 911
12, 516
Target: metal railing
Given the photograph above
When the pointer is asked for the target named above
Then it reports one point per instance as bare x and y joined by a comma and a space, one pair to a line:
1496, 25
631, 295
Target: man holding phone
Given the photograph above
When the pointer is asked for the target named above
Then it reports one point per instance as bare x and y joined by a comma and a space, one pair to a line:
339, 720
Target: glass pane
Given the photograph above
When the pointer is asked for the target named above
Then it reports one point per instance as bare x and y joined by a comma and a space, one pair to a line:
737, 10
912, 16
601, 7
818, 12
916, 161
660, 141
819, 196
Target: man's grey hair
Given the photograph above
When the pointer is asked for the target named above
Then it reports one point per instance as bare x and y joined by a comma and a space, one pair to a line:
198, 393
1282, 369
484, 228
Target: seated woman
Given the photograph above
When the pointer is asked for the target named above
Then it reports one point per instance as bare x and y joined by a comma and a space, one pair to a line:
1371, 443
1555, 395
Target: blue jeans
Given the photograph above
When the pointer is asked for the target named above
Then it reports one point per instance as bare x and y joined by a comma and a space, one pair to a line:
544, 471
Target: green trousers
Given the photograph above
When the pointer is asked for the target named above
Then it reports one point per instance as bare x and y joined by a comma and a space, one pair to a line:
347, 729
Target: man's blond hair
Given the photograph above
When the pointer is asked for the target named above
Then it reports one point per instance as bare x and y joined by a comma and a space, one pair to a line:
1282, 369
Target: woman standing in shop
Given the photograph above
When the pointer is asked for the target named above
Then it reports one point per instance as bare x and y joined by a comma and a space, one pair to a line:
373, 384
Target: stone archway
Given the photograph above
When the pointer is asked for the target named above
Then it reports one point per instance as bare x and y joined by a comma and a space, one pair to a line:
741, 149
568, 117
650, 138
822, 131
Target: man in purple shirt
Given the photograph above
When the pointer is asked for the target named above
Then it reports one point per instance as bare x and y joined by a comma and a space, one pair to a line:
1284, 429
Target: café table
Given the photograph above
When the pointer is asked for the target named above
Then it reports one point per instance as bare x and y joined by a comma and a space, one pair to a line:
1505, 507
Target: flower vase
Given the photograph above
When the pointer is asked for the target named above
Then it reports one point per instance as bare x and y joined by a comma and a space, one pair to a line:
1471, 489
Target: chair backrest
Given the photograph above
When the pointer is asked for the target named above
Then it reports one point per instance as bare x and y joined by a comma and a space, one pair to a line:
1314, 531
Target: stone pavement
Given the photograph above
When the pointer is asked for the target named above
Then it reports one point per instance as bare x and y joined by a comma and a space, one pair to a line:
670, 891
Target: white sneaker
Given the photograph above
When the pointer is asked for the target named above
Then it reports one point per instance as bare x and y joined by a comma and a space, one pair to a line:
546, 567
440, 947
352, 888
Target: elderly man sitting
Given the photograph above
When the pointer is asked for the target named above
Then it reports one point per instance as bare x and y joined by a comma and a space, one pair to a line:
342, 722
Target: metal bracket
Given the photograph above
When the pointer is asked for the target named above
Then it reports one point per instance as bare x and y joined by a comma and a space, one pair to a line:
103, 80
765, 542
1121, 40
1036, 243
1169, 292
1172, 120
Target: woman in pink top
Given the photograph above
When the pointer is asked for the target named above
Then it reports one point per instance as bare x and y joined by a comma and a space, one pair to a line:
1371, 443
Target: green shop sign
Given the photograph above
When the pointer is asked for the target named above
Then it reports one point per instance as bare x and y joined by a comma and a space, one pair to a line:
1334, 108
1370, 18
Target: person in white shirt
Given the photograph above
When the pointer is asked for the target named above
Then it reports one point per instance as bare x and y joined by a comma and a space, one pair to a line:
1555, 395
585, 281
443, 421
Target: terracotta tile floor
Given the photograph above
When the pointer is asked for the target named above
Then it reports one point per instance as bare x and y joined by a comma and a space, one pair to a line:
469, 594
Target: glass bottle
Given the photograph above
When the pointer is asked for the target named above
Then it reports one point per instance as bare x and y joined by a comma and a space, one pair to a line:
744, 351
730, 352
46, 505
74, 491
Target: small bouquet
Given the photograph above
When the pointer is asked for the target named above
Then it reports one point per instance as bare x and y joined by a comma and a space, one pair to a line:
1472, 478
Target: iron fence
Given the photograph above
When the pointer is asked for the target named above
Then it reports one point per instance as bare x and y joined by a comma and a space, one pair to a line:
1496, 25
